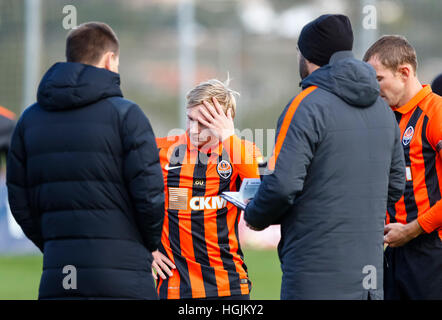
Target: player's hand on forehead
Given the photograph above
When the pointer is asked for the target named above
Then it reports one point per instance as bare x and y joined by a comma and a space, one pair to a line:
205, 110
213, 106
214, 118
211, 112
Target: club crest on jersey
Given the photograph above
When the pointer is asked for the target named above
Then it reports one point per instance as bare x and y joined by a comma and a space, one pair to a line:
224, 169
408, 135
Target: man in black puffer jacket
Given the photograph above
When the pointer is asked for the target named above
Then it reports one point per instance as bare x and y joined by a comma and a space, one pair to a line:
84, 177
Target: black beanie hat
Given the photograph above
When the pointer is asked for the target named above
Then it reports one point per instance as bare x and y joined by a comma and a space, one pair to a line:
324, 36
436, 86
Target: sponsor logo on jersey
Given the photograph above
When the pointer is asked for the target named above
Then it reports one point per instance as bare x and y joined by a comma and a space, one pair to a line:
207, 203
179, 200
198, 182
167, 167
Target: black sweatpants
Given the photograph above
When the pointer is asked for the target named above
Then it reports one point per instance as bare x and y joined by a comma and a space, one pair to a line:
414, 271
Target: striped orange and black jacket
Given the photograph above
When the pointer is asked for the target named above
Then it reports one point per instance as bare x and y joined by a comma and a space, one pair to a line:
420, 122
7, 125
200, 230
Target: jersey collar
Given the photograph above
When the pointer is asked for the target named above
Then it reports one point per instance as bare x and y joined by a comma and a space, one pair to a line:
410, 105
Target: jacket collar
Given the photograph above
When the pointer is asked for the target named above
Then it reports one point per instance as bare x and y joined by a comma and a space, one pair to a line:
340, 55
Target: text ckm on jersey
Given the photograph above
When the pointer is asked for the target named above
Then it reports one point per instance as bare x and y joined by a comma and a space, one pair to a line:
207, 203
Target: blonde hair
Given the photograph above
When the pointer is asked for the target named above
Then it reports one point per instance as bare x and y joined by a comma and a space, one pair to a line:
205, 91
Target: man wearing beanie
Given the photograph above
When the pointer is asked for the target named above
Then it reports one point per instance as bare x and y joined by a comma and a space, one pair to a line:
336, 164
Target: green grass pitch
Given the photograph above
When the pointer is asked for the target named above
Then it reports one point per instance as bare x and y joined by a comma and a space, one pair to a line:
20, 275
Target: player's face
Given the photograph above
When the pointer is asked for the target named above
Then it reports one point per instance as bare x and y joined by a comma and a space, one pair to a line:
391, 83
198, 133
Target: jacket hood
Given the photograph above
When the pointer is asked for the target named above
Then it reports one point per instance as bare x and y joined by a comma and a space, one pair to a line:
69, 85
352, 80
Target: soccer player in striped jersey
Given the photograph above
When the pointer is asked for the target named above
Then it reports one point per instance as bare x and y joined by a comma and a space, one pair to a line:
413, 231
200, 254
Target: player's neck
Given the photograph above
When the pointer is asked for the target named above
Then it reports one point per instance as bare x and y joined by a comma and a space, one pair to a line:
411, 89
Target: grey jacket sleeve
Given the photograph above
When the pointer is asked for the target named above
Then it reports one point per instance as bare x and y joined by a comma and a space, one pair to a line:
396, 185
143, 175
278, 190
16, 180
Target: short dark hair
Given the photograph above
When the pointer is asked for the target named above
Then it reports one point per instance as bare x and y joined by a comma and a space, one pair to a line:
392, 51
89, 41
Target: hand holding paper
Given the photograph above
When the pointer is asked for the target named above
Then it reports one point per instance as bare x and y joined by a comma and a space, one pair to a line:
247, 191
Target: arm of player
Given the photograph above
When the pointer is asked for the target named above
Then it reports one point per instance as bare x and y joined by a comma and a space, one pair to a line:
432, 218
398, 234
18, 190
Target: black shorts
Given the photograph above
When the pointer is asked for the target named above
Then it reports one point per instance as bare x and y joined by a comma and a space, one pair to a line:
414, 271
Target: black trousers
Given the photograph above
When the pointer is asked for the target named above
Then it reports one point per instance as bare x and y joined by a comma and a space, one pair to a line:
414, 271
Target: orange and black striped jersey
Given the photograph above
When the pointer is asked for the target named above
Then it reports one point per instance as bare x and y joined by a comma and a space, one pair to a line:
7, 113
200, 230
420, 122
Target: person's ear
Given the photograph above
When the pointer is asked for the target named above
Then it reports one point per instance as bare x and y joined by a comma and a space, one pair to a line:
106, 61
110, 61
405, 71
